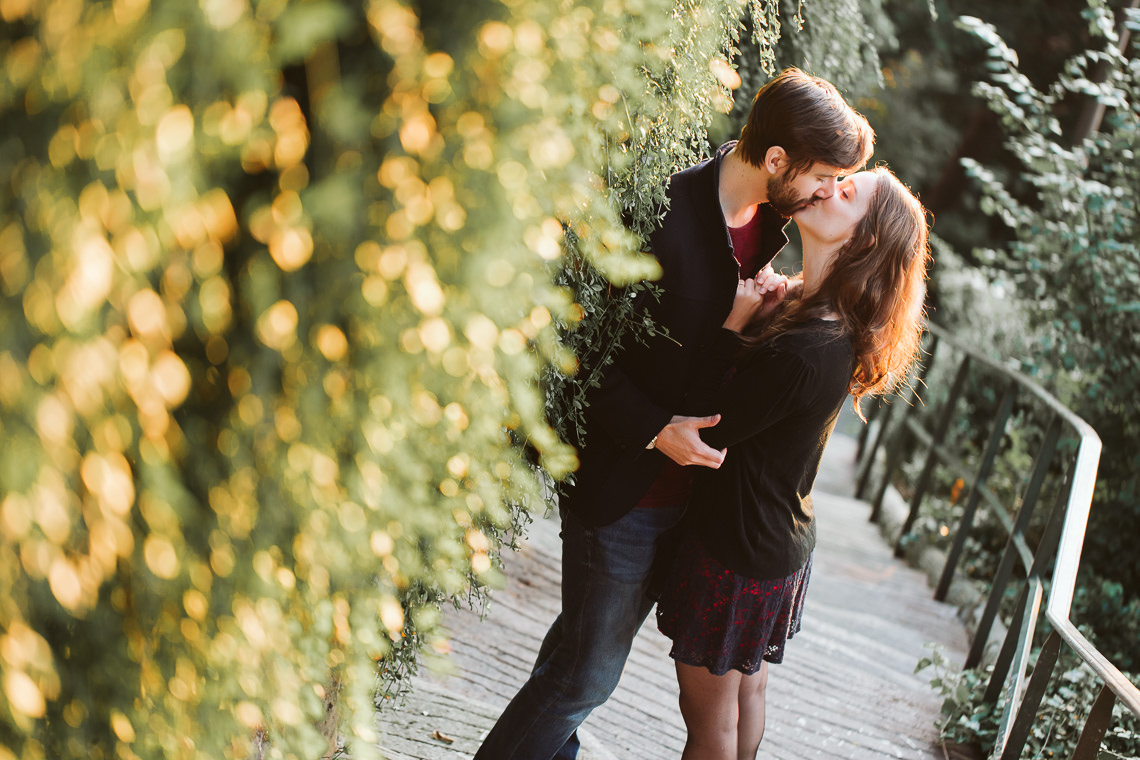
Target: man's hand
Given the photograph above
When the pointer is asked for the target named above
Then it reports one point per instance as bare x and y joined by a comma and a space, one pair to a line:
680, 440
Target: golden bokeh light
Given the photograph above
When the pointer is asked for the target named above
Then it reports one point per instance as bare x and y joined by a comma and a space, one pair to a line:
277, 326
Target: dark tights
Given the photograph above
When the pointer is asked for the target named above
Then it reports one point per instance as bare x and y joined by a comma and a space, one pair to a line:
724, 715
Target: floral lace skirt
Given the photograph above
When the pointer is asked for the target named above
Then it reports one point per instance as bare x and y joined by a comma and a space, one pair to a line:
723, 621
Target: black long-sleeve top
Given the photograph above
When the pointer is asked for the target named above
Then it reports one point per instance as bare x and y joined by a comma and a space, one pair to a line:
778, 408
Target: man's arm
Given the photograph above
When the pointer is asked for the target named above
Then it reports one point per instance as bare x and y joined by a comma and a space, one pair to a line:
627, 415
630, 417
680, 440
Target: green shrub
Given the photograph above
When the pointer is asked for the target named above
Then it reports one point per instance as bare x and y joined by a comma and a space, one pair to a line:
968, 719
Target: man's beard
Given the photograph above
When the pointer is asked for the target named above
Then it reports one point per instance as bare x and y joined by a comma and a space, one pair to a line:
782, 196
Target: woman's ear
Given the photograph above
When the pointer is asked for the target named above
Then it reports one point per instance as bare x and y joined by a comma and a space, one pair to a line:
775, 160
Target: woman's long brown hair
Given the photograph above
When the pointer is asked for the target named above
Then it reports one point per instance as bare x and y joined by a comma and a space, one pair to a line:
876, 286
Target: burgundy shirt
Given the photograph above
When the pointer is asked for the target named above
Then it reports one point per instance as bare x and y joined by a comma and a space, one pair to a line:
672, 486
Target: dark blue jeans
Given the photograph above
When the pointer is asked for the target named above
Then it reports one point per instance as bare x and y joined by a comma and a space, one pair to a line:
605, 572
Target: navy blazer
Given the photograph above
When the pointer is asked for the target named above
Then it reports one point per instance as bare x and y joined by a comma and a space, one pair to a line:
645, 386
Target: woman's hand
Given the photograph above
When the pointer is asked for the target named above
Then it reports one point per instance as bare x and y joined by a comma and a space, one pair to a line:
756, 299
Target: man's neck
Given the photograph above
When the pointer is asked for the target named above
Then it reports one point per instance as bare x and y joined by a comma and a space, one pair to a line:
742, 188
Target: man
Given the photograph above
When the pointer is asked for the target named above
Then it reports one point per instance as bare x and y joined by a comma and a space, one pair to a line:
724, 223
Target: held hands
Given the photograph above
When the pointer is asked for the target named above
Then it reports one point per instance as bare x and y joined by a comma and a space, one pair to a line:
680, 440
756, 299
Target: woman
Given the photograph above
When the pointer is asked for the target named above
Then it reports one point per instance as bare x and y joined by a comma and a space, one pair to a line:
736, 587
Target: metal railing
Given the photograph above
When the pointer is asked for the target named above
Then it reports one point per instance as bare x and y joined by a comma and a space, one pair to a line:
1068, 445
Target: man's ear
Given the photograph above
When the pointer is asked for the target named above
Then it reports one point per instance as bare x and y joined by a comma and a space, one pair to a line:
776, 160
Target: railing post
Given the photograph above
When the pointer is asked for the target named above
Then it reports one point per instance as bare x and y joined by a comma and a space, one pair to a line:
1088, 746
864, 433
1008, 650
1027, 712
894, 454
967, 521
1046, 548
931, 456
867, 455
1009, 556
866, 463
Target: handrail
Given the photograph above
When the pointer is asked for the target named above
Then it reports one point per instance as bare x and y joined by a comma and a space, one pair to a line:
1061, 543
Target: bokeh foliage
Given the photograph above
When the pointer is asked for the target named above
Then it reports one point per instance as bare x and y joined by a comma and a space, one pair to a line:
839, 41
278, 280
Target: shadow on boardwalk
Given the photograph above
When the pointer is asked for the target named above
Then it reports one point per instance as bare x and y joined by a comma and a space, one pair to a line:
846, 688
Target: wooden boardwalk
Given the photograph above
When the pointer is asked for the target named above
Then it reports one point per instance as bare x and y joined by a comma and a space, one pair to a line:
846, 689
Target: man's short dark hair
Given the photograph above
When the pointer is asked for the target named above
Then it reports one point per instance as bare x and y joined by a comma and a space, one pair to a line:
810, 120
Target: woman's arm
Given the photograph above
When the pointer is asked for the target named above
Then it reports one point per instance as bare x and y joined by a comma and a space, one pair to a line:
756, 299
762, 393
